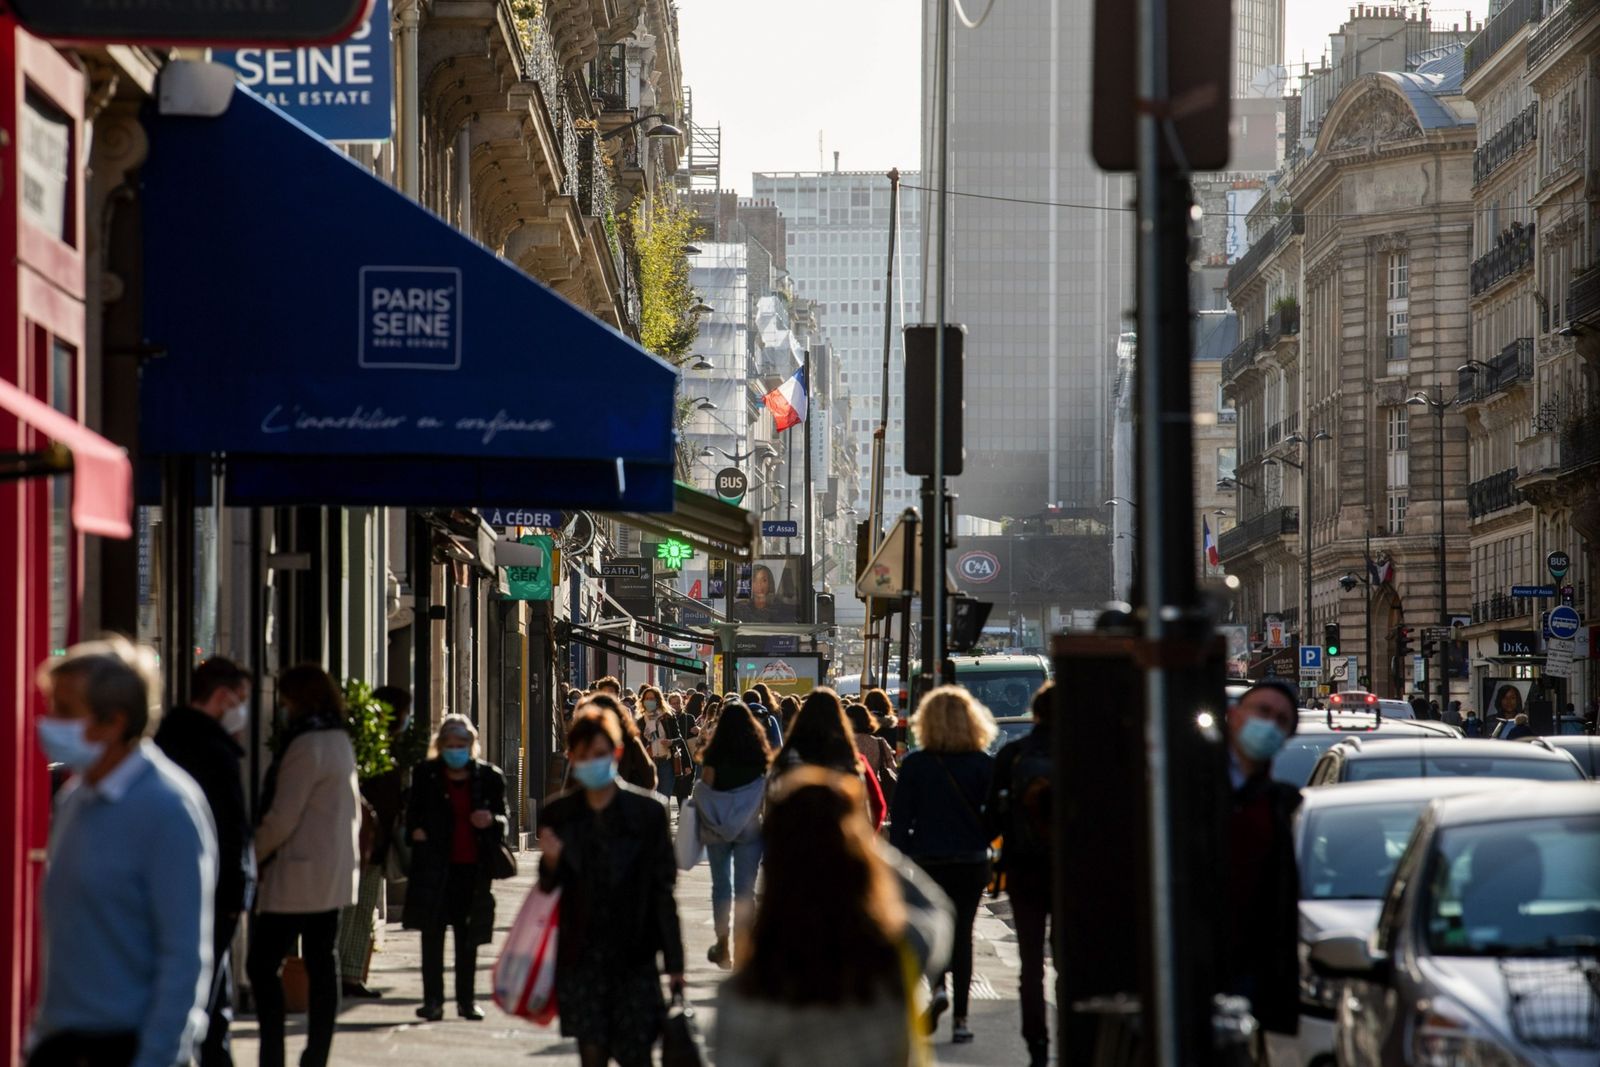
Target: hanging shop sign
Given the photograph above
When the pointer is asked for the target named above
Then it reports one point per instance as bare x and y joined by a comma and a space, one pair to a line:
342, 92
1516, 642
674, 554
191, 22
530, 577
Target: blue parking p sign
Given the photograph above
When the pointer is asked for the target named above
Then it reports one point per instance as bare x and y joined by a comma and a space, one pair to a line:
1310, 657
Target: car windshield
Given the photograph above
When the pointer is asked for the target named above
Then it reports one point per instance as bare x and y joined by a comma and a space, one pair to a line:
1003, 692
1523, 887
1009, 731
1348, 853
1538, 770
1296, 759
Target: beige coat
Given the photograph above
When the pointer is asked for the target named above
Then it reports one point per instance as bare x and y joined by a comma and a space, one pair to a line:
308, 843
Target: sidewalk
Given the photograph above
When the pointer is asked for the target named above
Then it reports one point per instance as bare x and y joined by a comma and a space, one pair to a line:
386, 1032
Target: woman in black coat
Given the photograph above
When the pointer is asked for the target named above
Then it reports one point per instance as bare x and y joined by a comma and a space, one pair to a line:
456, 821
607, 846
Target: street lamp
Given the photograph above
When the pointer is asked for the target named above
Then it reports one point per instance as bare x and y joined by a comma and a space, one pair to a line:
1114, 501
1437, 404
703, 403
1347, 583
1306, 468
702, 363
664, 129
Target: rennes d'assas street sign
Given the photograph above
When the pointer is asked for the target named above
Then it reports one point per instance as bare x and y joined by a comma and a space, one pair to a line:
192, 22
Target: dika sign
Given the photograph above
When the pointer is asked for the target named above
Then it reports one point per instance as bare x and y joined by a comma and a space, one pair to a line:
342, 92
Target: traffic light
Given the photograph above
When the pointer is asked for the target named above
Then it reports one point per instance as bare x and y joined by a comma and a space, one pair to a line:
1402, 643
1430, 645
1330, 638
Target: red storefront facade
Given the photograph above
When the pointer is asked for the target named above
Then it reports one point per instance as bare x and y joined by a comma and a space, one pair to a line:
59, 482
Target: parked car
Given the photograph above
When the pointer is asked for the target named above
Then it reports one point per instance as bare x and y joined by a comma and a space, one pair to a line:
1004, 683
1355, 760
1361, 700
1321, 730
1348, 841
1585, 748
1487, 947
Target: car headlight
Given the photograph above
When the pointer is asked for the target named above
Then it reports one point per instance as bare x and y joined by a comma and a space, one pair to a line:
1445, 1041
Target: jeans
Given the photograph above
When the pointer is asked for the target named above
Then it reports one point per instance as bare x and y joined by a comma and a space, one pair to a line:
459, 888
733, 881
963, 883
273, 939
1030, 907
214, 1050
665, 779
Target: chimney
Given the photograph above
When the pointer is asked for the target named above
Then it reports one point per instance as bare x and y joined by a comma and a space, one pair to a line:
836, 162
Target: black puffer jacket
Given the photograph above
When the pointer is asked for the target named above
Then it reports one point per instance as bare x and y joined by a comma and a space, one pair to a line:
430, 811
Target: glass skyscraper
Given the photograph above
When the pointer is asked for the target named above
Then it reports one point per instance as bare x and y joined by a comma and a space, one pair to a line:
837, 244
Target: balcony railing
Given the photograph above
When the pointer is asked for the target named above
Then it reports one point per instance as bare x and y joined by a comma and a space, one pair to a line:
1397, 347
608, 78
1513, 364
1243, 354
1252, 532
1285, 322
1580, 440
1511, 17
1512, 253
1557, 27
1494, 493
1507, 141
1583, 296
1499, 607
1258, 253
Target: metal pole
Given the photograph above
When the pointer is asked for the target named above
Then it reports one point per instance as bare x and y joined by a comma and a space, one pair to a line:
908, 585
1444, 599
933, 532
808, 612
1372, 669
880, 437
1166, 516
1306, 505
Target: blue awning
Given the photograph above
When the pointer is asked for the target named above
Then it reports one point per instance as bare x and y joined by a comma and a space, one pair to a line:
339, 344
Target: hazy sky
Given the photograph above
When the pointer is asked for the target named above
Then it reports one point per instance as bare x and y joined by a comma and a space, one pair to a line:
775, 73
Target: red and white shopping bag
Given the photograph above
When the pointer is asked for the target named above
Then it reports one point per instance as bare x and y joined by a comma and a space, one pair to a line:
525, 973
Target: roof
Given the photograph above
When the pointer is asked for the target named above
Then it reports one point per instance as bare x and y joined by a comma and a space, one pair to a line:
1423, 88
1544, 800
1455, 748
1354, 724
1216, 333
1350, 794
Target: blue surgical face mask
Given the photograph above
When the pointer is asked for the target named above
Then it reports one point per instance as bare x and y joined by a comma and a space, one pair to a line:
650, 705
456, 758
64, 742
1260, 739
595, 773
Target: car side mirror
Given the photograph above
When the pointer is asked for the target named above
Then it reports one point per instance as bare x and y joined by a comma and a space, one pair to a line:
1345, 956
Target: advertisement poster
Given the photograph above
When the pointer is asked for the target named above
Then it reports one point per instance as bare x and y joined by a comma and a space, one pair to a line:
774, 591
717, 579
794, 675
1276, 637
1238, 639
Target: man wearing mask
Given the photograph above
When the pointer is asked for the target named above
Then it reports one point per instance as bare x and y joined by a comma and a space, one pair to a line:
128, 886
1259, 940
201, 739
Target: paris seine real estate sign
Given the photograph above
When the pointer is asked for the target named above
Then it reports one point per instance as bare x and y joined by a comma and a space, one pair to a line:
343, 92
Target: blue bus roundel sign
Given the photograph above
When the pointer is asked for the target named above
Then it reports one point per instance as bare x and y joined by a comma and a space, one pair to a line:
979, 567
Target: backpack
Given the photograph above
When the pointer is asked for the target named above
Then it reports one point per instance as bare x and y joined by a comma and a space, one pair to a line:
1032, 781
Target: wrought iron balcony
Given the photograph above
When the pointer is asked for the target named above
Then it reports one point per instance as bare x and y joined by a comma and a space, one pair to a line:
1267, 526
1284, 322
1494, 493
1508, 140
1583, 296
1557, 28
1243, 354
608, 78
1292, 223
1513, 364
1511, 17
1499, 607
1512, 253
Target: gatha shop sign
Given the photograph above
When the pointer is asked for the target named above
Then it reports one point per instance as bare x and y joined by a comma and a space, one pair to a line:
342, 91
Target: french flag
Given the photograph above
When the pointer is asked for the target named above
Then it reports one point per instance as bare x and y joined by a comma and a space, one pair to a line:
788, 402
1210, 544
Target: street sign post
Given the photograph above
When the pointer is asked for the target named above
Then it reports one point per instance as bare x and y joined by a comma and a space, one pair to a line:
732, 484
780, 528
1564, 623
1558, 563
1310, 660
1540, 591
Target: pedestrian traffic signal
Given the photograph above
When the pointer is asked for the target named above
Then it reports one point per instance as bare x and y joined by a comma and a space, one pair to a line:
1430, 645
1402, 643
1330, 638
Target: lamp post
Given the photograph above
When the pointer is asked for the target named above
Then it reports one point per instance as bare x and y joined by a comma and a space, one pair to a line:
1437, 405
663, 129
1348, 582
1306, 469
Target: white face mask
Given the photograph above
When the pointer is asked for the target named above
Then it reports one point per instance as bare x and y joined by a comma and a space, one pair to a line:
236, 718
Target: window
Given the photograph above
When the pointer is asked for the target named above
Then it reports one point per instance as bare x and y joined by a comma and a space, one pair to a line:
1399, 287
1399, 429
1397, 512
1227, 462
1397, 314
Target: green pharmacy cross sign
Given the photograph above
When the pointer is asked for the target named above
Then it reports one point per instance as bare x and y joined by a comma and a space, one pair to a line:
674, 554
